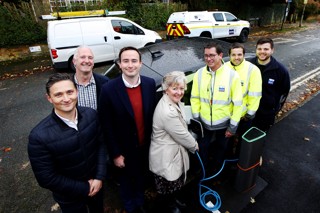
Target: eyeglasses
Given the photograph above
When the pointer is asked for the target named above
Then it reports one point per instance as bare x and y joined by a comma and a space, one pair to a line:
211, 56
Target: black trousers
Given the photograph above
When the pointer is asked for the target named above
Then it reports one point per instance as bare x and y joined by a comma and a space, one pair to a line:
263, 121
86, 205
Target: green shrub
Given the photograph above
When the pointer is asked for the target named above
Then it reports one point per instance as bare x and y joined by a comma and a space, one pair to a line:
18, 26
310, 10
154, 16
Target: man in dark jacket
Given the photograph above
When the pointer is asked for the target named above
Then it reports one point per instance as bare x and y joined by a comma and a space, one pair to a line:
127, 104
66, 151
275, 84
89, 84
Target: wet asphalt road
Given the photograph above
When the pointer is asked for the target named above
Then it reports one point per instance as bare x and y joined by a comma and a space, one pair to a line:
23, 105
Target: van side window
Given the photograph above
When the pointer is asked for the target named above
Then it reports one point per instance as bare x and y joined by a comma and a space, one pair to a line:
218, 16
230, 17
125, 27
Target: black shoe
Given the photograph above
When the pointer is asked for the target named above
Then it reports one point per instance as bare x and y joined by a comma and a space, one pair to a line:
173, 209
180, 204
140, 209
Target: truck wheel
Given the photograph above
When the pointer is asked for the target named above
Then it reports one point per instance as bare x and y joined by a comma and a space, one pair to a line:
206, 35
243, 37
71, 65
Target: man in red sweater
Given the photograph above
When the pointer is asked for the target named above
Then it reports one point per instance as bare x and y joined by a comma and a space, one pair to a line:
126, 108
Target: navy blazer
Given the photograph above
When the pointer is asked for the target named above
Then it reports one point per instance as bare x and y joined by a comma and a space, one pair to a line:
117, 116
100, 80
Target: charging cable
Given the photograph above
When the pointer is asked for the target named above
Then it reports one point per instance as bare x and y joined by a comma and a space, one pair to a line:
210, 192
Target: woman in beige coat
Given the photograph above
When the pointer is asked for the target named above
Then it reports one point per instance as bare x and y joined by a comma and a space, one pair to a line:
171, 141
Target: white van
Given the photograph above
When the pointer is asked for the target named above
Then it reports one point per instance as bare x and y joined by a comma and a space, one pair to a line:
104, 35
215, 24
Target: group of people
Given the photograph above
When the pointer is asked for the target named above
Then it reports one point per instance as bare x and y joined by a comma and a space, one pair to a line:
96, 120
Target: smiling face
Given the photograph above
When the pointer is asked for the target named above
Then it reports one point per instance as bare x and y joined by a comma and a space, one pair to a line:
236, 56
63, 95
212, 58
264, 52
176, 92
130, 64
83, 60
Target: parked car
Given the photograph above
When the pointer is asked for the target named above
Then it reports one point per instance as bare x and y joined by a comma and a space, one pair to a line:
216, 24
104, 35
185, 54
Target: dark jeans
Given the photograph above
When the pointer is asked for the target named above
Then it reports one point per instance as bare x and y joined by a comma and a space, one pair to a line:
263, 121
86, 205
133, 178
212, 148
234, 144
132, 190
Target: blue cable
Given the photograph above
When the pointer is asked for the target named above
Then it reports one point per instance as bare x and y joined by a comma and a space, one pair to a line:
202, 196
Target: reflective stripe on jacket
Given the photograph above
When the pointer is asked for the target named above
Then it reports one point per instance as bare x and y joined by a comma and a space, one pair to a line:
216, 98
251, 84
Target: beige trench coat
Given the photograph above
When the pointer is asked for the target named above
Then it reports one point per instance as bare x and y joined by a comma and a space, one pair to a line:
168, 156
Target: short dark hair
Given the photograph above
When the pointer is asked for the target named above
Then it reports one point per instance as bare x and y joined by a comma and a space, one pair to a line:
236, 45
129, 48
214, 45
56, 78
264, 41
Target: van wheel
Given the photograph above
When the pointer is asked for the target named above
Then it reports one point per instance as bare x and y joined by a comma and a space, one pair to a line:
206, 35
71, 65
243, 37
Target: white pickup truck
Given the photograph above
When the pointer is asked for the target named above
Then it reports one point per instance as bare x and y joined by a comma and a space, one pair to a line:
216, 24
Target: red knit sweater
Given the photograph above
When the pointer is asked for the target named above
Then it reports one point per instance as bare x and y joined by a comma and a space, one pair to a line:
136, 103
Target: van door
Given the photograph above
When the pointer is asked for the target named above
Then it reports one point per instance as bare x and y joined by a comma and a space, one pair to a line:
63, 37
220, 28
97, 35
126, 33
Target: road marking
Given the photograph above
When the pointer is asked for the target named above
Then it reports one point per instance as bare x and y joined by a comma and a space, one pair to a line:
282, 40
302, 79
303, 42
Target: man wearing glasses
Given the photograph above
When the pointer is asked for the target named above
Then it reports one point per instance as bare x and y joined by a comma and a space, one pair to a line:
216, 101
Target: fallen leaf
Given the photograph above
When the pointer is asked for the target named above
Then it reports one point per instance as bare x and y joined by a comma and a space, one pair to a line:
55, 207
252, 200
6, 149
25, 165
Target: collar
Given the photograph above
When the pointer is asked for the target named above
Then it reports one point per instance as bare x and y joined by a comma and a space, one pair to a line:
91, 81
127, 84
178, 106
238, 67
69, 122
211, 71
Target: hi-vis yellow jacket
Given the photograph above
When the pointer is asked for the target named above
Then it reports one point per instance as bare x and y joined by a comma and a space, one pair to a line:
251, 87
216, 98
